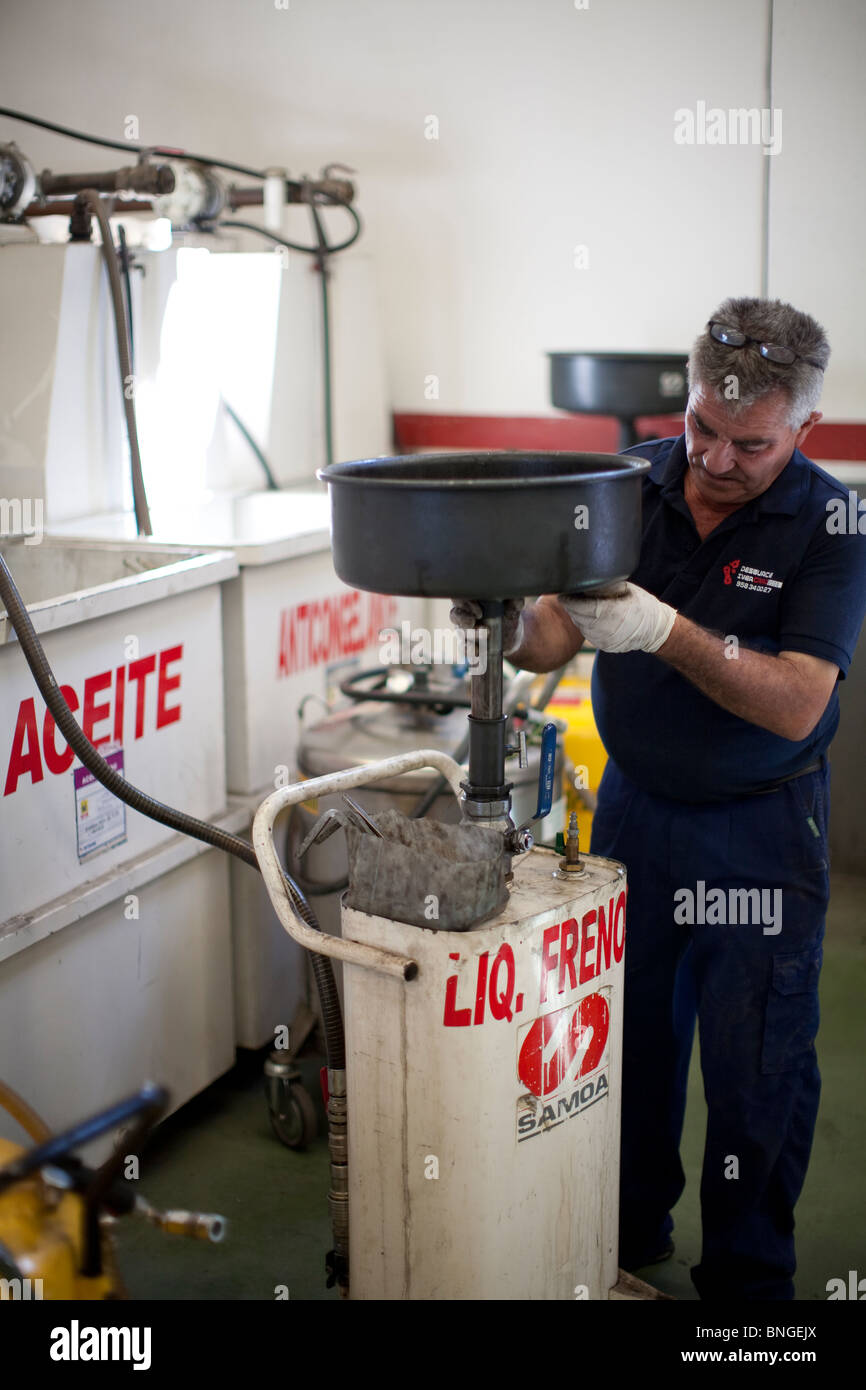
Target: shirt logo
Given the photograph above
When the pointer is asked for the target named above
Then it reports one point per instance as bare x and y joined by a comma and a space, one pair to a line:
748, 577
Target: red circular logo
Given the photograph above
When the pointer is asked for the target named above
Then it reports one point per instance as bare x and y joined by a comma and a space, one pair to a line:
552, 1043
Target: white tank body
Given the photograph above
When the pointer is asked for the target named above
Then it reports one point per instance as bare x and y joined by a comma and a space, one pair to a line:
484, 1097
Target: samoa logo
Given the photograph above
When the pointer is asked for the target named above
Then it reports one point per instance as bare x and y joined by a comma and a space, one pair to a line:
555, 1042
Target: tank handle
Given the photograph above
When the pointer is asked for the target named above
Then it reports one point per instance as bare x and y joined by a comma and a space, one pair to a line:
355, 952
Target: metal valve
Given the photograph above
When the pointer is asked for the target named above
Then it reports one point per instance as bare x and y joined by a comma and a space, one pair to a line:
571, 866
520, 841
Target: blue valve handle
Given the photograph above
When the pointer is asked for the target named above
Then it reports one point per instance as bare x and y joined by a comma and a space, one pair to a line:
545, 776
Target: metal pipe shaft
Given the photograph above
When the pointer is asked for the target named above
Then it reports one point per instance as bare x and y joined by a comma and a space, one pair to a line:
486, 688
138, 178
64, 207
486, 782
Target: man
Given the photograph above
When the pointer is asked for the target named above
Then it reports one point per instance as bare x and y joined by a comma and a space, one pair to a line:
715, 695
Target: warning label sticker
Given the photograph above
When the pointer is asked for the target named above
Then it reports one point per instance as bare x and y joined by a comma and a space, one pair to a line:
100, 819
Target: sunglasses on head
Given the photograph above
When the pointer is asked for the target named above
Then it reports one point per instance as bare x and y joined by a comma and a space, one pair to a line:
774, 352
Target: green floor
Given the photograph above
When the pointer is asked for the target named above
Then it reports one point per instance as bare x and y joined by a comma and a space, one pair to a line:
218, 1154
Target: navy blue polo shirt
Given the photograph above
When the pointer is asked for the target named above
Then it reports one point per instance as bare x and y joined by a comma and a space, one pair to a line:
772, 574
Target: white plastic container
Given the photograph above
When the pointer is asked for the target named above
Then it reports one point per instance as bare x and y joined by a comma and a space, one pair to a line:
129, 981
134, 636
115, 941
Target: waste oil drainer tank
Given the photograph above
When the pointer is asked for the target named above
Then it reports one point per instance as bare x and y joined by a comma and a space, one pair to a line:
482, 1082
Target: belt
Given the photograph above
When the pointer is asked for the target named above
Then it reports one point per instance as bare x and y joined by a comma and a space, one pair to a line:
814, 766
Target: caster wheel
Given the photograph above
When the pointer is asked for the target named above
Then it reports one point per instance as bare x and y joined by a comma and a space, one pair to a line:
290, 1106
295, 1123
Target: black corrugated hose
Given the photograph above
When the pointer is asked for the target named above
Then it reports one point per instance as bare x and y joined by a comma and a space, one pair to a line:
167, 151
124, 356
71, 730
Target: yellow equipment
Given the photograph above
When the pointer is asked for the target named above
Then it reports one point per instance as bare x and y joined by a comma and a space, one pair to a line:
41, 1242
55, 1213
584, 750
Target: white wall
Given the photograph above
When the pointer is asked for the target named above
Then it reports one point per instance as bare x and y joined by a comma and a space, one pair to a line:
818, 192
61, 418
555, 130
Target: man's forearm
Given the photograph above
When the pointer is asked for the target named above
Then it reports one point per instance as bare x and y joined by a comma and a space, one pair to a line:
550, 638
766, 690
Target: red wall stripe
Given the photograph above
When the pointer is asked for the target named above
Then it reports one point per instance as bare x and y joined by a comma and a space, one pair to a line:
589, 433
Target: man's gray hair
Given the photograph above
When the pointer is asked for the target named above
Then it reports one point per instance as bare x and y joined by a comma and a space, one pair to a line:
715, 365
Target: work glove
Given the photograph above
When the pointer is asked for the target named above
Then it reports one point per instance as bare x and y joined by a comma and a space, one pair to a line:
623, 618
467, 612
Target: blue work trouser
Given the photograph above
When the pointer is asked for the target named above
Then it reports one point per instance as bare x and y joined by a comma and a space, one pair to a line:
751, 978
